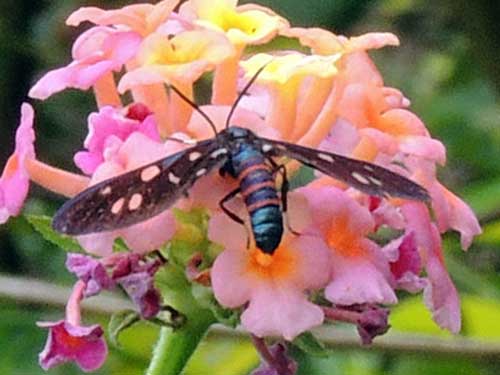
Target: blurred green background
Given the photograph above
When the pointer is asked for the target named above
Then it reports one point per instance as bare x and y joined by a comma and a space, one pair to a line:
448, 65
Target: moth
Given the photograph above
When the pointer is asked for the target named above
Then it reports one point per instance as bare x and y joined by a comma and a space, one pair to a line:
140, 194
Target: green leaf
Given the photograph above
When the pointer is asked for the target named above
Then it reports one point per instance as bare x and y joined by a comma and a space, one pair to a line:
43, 225
190, 236
205, 297
483, 198
309, 344
411, 315
119, 322
223, 355
480, 317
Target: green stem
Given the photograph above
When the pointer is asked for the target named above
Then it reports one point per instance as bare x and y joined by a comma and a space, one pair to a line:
175, 346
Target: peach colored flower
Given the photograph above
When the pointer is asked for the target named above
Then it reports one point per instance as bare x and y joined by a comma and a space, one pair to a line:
14, 181
284, 77
324, 42
96, 54
141, 18
180, 61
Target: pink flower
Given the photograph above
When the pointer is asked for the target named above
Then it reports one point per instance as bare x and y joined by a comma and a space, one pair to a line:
452, 212
69, 341
136, 276
121, 156
360, 271
371, 320
91, 271
141, 18
131, 271
14, 182
96, 53
440, 294
66, 342
406, 263
107, 125
273, 286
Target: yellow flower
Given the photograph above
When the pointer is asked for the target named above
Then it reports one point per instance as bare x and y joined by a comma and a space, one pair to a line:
324, 42
243, 25
285, 76
179, 61
246, 24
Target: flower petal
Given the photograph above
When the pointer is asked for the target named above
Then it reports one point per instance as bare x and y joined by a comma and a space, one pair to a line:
14, 181
280, 312
84, 345
358, 281
91, 62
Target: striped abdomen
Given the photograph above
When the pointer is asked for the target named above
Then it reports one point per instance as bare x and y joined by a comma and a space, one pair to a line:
258, 189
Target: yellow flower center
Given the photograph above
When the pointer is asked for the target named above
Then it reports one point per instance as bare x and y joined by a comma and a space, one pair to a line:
227, 19
281, 264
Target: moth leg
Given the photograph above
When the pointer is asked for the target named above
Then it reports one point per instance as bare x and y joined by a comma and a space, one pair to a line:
231, 214
285, 186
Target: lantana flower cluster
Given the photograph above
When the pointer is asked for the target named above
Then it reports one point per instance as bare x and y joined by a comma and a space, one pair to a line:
333, 266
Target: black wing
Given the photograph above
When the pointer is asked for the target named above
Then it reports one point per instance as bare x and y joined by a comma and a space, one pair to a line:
366, 177
139, 194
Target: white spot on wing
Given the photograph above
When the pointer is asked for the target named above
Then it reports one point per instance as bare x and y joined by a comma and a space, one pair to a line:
266, 147
368, 168
326, 157
376, 181
106, 190
173, 178
201, 172
195, 155
117, 206
360, 178
149, 173
217, 153
135, 202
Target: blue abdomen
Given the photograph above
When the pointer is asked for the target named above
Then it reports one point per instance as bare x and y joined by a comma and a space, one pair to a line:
258, 189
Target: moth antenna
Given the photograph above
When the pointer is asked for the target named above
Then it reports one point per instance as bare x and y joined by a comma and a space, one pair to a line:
195, 107
243, 92
183, 141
